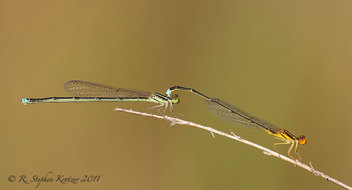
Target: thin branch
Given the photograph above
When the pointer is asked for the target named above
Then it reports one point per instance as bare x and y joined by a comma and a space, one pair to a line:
266, 151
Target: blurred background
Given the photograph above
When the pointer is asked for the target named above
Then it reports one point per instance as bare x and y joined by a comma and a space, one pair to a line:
286, 62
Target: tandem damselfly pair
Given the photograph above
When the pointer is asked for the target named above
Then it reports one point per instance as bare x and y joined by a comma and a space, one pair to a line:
92, 92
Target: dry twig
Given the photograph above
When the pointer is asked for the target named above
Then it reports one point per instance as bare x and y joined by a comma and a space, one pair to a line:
266, 151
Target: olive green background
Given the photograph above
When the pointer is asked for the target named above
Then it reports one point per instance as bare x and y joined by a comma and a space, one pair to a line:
288, 63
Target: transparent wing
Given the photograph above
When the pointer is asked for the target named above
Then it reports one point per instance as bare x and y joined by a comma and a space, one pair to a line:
234, 115
90, 89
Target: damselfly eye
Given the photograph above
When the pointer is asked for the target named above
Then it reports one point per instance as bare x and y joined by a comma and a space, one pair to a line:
175, 99
302, 140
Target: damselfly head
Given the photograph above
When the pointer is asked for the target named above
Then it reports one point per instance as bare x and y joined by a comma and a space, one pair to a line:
175, 99
302, 140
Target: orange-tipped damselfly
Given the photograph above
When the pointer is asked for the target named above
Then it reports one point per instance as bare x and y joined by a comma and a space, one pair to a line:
241, 118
